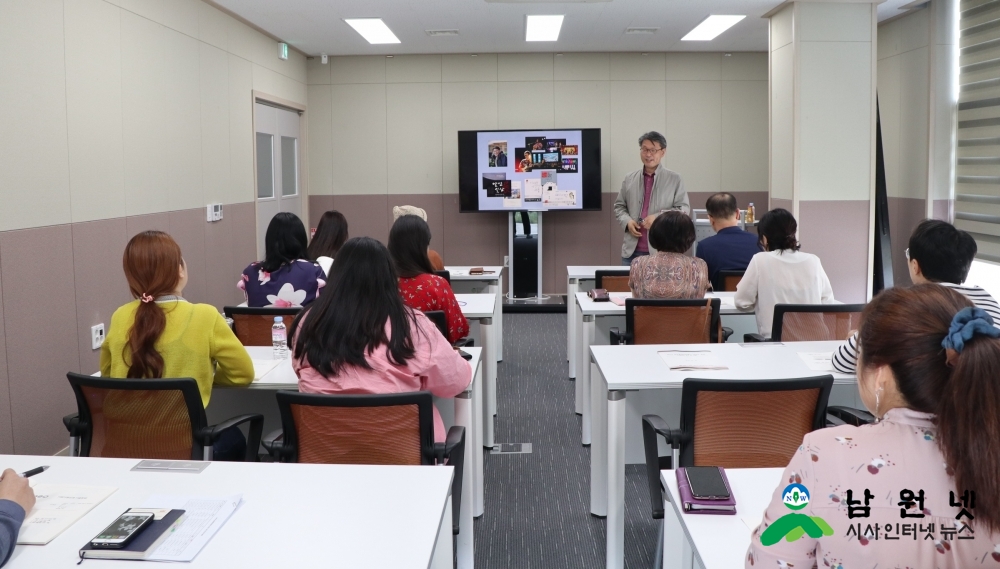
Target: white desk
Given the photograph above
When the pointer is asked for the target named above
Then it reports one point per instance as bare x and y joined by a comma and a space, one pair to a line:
597, 318
579, 279
460, 283
625, 369
718, 542
481, 308
293, 515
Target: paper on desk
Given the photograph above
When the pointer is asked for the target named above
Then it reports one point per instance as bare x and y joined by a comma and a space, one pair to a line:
691, 360
618, 298
58, 506
263, 367
203, 516
818, 361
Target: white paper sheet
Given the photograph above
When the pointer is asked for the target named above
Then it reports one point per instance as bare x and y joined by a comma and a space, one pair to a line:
618, 298
57, 507
727, 302
818, 361
263, 367
691, 360
203, 516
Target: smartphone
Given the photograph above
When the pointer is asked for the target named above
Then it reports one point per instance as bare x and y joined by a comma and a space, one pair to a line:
122, 531
707, 483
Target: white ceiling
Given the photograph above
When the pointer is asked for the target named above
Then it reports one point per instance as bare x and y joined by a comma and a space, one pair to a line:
317, 26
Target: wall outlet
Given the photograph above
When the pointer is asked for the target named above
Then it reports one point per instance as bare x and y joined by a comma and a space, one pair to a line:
96, 336
506, 261
213, 212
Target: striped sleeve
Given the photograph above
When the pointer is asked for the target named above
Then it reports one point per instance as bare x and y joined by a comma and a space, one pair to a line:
981, 299
845, 358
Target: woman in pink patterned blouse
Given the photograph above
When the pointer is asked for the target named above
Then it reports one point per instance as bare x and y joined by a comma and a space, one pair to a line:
669, 273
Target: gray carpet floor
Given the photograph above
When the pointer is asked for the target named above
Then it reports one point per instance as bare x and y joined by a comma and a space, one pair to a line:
537, 510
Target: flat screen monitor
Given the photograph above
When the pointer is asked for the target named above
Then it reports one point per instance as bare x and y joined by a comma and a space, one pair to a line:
534, 170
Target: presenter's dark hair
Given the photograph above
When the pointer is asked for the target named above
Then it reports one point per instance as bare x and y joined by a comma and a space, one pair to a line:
963, 396
944, 252
779, 227
721, 205
672, 232
655, 138
331, 233
409, 239
284, 242
348, 321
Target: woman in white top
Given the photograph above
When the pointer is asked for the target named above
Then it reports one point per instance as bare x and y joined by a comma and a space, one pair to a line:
331, 233
781, 274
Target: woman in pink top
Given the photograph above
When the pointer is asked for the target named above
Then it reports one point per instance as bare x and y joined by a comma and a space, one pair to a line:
921, 487
358, 337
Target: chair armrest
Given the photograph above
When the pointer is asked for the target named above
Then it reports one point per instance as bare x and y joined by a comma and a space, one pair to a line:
74, 425
453, 450
464, 343
850, 415
274, 444
748, 338
726, 333
832, 421
653, 425
617, 337
210, 434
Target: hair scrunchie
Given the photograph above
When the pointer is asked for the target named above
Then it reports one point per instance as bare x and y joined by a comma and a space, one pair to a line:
146, 298
966, 324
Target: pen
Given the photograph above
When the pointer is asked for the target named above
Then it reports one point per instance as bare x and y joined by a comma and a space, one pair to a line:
34, 471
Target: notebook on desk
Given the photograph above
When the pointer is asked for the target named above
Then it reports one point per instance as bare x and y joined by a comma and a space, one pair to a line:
144, 544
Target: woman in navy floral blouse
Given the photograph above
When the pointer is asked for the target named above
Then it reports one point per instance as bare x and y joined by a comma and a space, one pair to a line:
419, 286
285, 278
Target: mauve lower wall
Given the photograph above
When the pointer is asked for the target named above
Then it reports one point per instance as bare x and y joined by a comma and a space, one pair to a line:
837, 231
57, 281
568, 238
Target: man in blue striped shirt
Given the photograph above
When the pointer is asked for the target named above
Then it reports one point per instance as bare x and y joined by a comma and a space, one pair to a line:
938, 253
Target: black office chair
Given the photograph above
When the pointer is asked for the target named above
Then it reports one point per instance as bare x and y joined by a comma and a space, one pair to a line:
612, 281
441, 321
396, 428
726, 281
657, 321
253, 325
734, 424
147, 418
446, 275
811, 322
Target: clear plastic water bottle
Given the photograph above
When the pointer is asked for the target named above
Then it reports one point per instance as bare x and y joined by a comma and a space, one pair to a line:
279, 338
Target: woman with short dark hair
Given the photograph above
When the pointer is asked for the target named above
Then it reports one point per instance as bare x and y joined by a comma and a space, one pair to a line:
781, 274
285, 277
669, 273
331, 233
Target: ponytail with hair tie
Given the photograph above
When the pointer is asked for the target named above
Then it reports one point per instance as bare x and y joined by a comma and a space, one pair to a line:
146, 298
964, 325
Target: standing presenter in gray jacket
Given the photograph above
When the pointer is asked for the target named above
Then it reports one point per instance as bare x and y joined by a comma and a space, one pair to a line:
645, 194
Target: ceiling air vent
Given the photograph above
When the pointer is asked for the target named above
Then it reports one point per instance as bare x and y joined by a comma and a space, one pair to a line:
434, 33
640, 31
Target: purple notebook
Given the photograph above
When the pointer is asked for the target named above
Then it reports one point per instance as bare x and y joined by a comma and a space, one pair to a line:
692, 505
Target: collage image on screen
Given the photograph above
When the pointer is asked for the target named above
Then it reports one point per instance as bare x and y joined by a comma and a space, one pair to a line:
539, 160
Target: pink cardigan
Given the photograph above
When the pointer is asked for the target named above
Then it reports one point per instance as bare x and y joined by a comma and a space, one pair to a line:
435, 367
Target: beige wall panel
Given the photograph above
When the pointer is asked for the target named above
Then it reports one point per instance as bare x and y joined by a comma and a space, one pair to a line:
587, 104
525, 67
241, 39
694, 66
213, 27
316, 72
182, 126
413, 69
357, 69
888, 38
582, 67
413, 145
782, 135
638, 66
359, 139
178, 15
465, 67
214, 93
941, 145
743, 156
889, 110
781, 27
320, 132
828, 21
835, 126
694, 133
464, 106
637, 107
525, 104
275, 84
94, 109
34, 165
915, 31
295, 67
744, 66
914, 126
241, 175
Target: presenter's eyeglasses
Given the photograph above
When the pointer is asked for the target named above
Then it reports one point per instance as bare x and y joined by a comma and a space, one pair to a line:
647, 150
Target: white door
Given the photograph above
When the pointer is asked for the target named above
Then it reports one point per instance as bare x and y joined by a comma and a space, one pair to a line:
277, 148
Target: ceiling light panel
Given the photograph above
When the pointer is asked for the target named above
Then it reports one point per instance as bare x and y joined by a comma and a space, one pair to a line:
711, 27
543, 28
373, 30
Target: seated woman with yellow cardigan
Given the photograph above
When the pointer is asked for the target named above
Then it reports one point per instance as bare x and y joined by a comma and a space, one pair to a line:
161, 335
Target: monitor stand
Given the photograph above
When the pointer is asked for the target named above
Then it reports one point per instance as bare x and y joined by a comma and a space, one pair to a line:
525, 251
